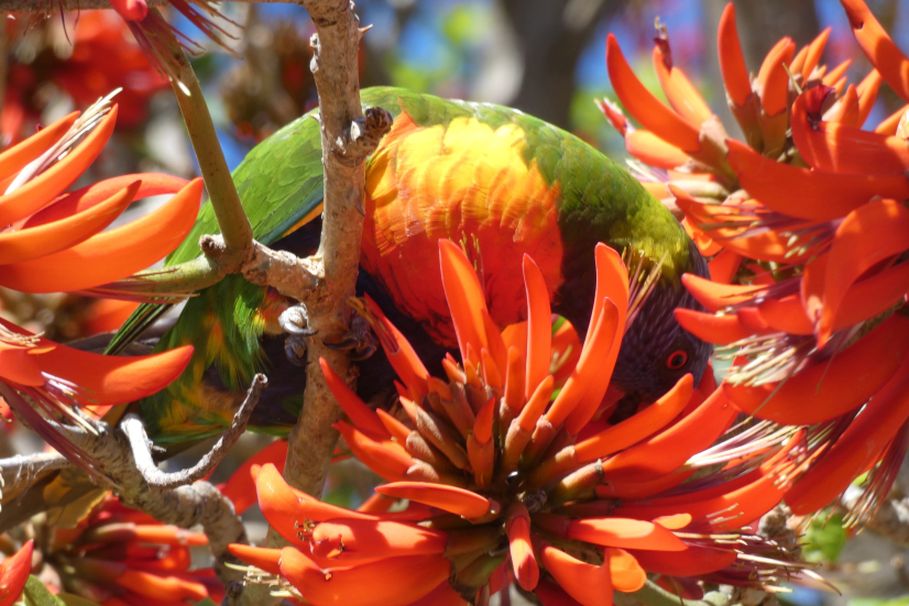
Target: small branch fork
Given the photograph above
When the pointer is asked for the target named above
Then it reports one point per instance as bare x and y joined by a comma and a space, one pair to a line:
125, 465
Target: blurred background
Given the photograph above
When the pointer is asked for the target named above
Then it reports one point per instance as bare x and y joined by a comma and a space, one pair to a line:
545, 57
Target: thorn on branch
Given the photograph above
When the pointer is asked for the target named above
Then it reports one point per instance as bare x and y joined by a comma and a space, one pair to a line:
364, 135
141, 446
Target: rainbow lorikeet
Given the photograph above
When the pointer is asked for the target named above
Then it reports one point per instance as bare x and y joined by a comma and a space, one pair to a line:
498, 181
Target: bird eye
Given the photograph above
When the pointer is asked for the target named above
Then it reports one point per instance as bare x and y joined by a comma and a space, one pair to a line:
677, 359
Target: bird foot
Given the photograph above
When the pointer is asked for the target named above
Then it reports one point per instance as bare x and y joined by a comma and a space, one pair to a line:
294, 321
360, 341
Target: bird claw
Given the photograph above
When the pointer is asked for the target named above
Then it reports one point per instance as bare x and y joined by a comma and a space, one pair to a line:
295, 349
359, 342
295, 321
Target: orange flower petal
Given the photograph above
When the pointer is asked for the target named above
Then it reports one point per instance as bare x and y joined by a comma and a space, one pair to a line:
386, 582
724, 266
30, 243
811, 56
240, 488
260, 557
786, 315
14, 572
113, 254
732, 60
627, 575
867, 95
857, 448
159, 587
629, 533
871, 233
14, 159
43, 188
465, 297
829, 388
680, 92
712, 328
889, 124
539, 326
842, 148
846, 109
714, 296
400, 353
818, 195
773, 80
363, 417
643, 106
694, 561
880, 49
872, 296
670, 448
587, 583
460, 501
639, 426
654, 151
356, 542
520, 548
150, 184
388, 459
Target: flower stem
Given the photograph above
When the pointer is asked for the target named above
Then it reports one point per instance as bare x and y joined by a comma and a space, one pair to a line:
224, 197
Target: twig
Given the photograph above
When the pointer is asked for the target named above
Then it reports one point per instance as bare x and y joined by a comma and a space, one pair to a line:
19, 472
141, 446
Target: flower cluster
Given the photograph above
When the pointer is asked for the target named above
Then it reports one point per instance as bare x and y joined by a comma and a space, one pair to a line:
510, 473
56, 241
118, 555
806, 223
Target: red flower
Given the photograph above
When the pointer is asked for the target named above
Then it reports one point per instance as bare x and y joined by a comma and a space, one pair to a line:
808, 234
511, 474
14, 572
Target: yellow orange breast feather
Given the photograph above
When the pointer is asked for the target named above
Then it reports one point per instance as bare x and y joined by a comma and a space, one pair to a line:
468, 182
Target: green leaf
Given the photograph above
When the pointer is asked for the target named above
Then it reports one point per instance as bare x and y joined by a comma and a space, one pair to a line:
825, 538
36, 594
900, 601
71, 599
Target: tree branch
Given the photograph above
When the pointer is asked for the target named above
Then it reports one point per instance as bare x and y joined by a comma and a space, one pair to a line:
52, 6
141, 446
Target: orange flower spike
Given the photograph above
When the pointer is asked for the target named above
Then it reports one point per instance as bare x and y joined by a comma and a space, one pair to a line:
817, 195
644, 107
786, 314
627, 533
836, 77
521, 428
520, 548
23, 244
388, 459
878, 46
587, 583
680, 92
465, 297
857, 448
888, 125
872, 296
712, 328
724, 266
773, 80
732, 60
113, 254
868, 235
833, 386
627, 575
539, 326
355, 542
514, 384
13, 159
459, 501
390, 581
480, 445
14, 571
361, 416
